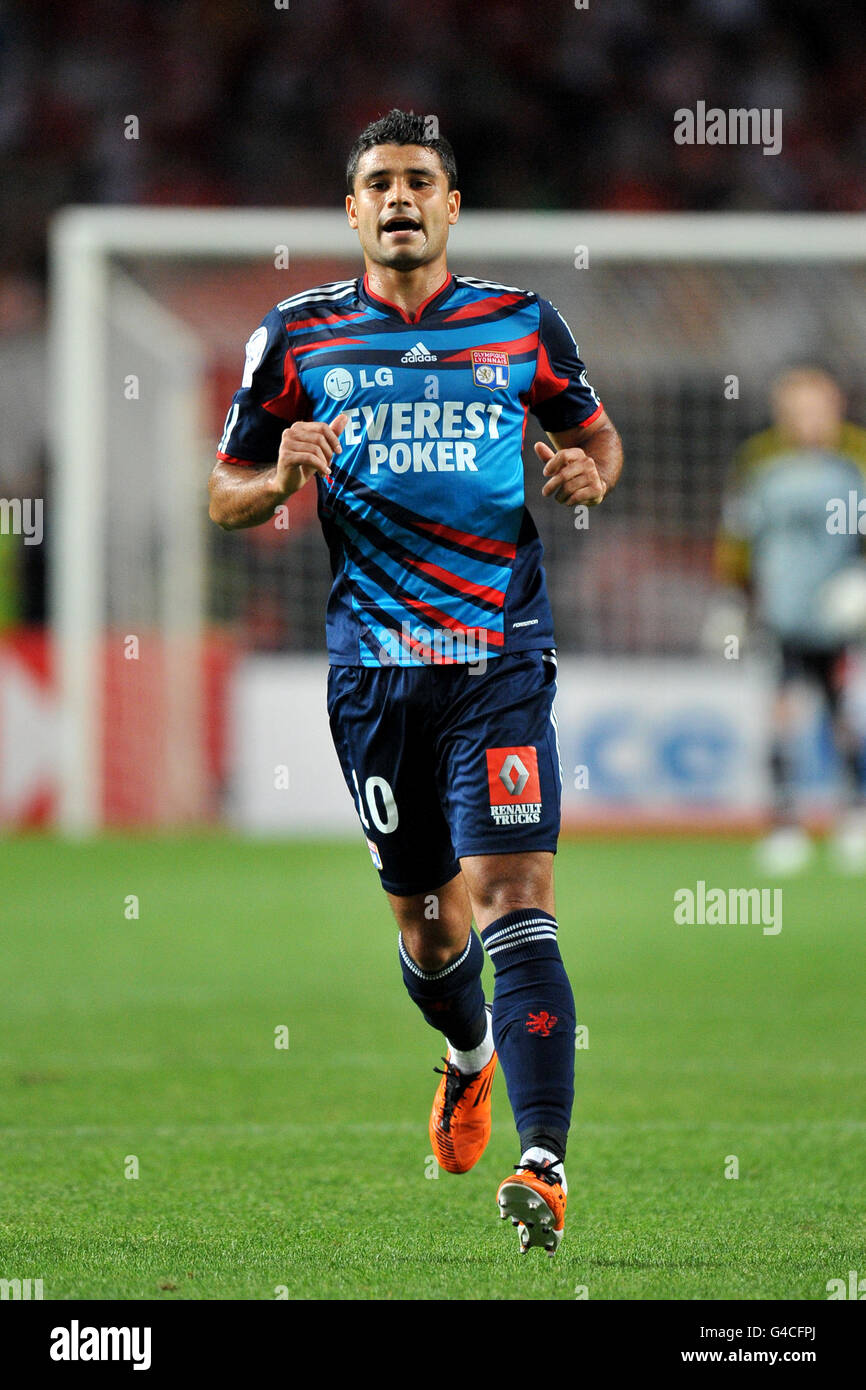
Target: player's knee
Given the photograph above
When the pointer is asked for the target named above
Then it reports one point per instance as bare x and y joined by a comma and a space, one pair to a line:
433, 951
498, 894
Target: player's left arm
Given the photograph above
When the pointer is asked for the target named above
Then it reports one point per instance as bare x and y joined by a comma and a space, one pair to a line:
586, 460
585, 464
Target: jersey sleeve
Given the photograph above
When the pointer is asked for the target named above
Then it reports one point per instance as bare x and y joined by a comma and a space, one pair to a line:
270, 397
561, 398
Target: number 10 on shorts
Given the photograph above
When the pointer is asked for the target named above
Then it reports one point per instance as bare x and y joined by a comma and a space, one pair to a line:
378, 802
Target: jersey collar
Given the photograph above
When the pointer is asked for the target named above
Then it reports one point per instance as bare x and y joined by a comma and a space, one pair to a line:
429, 306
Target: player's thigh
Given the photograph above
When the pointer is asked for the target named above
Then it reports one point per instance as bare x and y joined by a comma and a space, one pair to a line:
377, 718
501, 781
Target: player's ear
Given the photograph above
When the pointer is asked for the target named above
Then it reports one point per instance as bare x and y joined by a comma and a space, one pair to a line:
453, 205
351, 210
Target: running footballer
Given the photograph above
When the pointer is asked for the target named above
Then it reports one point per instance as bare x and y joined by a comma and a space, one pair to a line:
404, 394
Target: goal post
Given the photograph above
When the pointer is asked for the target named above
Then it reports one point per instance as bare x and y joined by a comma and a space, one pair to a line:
94, 303
128, 488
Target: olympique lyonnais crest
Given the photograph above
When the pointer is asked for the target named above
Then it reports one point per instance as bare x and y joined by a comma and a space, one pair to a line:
490, 369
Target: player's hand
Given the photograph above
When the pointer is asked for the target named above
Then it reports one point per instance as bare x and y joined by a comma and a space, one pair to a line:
306, 448
572, 476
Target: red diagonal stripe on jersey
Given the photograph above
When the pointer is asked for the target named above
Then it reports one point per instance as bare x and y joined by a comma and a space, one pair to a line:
495, 639
516, 345
425, 651
438, 528
430, 656
320, 323
328, 343
292, 403
465, 586
546, 382
483, 306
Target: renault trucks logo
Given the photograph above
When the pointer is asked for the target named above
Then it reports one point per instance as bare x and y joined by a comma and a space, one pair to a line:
513, 775
490, 369
515, 791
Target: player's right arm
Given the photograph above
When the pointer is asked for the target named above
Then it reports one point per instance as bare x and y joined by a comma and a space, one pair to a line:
248, 494
270, 446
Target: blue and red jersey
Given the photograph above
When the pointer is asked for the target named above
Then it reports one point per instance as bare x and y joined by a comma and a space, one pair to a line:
433, 551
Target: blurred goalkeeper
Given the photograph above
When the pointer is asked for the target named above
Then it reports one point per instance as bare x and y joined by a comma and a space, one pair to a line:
790, 543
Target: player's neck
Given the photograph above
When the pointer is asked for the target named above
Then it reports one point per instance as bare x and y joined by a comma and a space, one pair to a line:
407, 289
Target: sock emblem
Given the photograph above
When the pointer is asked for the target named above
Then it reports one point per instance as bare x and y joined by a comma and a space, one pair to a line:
541, 1023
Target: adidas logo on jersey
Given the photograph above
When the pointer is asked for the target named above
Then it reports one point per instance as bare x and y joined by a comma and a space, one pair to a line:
419, 353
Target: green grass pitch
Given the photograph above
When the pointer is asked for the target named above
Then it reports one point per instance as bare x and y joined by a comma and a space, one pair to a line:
306, 1169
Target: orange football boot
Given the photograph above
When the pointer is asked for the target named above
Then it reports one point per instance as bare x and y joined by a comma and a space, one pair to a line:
461, 1116
535, 1199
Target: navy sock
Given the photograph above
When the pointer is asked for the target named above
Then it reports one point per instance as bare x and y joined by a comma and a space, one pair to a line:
533, 1025
451, 999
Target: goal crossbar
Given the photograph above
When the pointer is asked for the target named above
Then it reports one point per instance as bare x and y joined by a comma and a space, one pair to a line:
85, 240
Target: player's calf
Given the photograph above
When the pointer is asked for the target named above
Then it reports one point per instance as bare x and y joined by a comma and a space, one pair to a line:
533, 1029
533, 1026
451, 1000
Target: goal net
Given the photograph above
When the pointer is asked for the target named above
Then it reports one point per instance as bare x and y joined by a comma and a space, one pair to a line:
682, 321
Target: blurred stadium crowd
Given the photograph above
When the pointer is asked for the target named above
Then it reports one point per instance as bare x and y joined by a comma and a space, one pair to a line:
243, 102
547, 105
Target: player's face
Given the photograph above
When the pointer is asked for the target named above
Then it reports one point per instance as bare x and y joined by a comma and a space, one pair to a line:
402, 207
809, 411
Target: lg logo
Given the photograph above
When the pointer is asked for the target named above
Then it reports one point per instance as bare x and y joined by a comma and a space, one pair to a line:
339, 382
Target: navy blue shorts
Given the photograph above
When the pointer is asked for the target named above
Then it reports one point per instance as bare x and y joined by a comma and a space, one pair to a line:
444, 761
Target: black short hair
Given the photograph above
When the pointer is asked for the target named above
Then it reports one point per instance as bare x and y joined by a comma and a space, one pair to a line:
402, 128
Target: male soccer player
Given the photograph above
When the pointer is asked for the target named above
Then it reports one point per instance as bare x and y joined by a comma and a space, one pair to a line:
778, 544
404, 393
